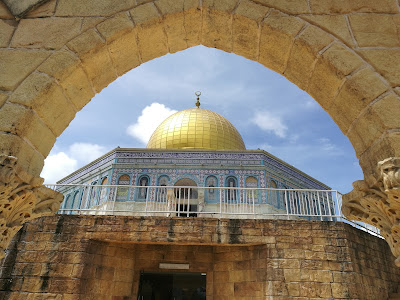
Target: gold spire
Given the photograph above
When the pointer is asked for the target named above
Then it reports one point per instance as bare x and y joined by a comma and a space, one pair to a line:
198, 93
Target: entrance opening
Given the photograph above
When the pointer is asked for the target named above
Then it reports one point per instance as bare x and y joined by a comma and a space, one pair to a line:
186, 198
172, 286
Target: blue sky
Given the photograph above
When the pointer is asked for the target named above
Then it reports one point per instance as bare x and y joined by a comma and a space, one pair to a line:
270, 113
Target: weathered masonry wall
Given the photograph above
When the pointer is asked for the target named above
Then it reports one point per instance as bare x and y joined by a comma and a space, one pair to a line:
88, 257
55, 55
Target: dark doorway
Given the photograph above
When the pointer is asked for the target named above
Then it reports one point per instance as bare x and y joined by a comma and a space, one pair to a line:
184, 210
172, 286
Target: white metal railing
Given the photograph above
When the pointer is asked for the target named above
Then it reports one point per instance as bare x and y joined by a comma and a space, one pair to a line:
208, 202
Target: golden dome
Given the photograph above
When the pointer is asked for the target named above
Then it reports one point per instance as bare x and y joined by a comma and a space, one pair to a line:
196, 128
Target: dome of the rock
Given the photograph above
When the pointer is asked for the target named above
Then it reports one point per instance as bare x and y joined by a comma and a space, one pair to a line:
196, 128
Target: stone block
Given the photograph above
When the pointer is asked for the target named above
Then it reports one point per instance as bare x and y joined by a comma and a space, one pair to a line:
248, 289
171, 6
292, 7
29, 160
330, 70
88, 8
145, 13
276, 288
65, 67
7, 28
5, 13
20, 7
340, 290
365, 130
375, 30
217, 30
115, 27
3, 98
293, 253
91, 22
277, 34
193, 23
304, 53
358, 91
292, 274
174, 27
22, 121
251, 11
245, 37
382, 60
47, 99
46, 9
95, 59
152, 41
221, 5
344, 6
87, 42
17, 65
334, 24
388, 146
293, 288
387, 110
223, 289
45, 33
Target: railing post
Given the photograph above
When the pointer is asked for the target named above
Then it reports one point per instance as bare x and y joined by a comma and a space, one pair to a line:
220, 203
286, 201
115, 199
319, 205
329, 206
254, 208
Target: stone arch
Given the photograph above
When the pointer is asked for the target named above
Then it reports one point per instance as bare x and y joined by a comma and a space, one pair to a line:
58, 56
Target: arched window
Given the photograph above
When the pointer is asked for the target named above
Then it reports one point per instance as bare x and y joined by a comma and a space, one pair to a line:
122, 192
252, 182
143, 182
273, 195
103, 191
162, 192
67, 205
212, 194
93, 194
186, 193
231, 194
76, 202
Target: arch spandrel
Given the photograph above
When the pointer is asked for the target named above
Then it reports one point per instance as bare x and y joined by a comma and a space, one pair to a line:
49, 78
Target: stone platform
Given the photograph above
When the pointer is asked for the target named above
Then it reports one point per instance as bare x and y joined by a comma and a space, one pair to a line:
87, 257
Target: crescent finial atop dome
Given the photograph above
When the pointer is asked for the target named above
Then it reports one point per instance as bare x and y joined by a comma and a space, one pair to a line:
198, 94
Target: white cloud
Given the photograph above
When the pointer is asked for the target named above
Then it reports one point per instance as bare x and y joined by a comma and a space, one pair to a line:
86, 152
148, 121
328, 147
62, 163
57, 166
269, 122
